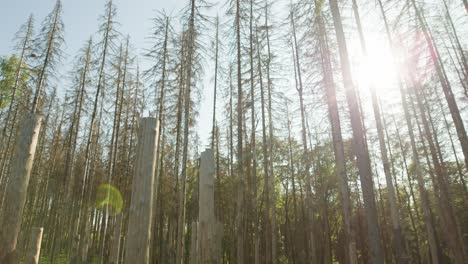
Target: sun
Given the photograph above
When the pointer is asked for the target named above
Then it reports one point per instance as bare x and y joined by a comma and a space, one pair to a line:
377, 68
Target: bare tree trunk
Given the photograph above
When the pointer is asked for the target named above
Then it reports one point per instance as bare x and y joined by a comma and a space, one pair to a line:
15, 196
408, 196
272, 208
139, 223
293, 183
190, 44
82, 215
433, 245
34, 249
431, 237
240, 159
446, 87
215, 84
398, 242
338, 147
305, 154
253, 138
359, 144
449, 222
265, 156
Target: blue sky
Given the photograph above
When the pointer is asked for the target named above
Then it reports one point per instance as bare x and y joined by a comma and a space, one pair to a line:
81, 18
81, 21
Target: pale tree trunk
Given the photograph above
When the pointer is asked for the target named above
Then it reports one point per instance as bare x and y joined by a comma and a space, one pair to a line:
449, 222
454, 151
398, 242
207, 224
338, 147
253, 150
271, 208
359, 144
190, 45
425, 204
180, 100
139, 222
265, 153
34, 249
85, 213
106, 218
71, 152
160, 175
15, 196
446, 87
82, 209
240, 161
408, 196
305, 153
293, 183
160, 115
460, 49
215, 84
114, 176
431, 236
74, 128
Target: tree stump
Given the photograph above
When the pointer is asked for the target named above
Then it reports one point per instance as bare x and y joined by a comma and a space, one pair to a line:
208, 230
139, 223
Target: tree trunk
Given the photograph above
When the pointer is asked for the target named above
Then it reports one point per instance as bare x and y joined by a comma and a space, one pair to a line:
446, 87
139, 222
305, 154
15, 196
398, 242
359, 144
34, 249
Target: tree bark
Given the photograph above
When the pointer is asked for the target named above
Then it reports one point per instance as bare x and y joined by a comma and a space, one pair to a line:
15, 196
141, 207
359, 144
398, 242
34, 249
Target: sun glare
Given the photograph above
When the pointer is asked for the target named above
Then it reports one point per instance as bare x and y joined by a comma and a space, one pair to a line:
377, 68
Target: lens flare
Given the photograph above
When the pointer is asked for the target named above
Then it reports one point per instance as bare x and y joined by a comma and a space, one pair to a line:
110, 197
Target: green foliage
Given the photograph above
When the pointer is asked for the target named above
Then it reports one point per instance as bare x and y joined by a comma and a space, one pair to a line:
8, 71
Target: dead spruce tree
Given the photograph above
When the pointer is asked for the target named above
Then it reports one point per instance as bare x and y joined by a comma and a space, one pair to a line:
359, 144
48, 46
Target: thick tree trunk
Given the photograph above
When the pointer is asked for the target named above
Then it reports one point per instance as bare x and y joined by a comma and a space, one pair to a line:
15, 196
338, 147
208, 245
141, 207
